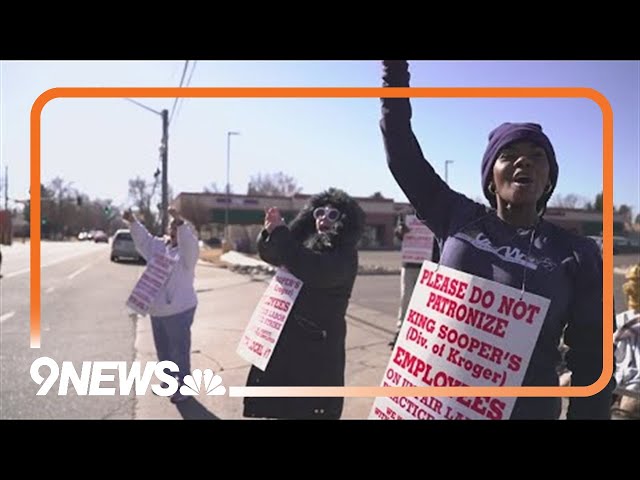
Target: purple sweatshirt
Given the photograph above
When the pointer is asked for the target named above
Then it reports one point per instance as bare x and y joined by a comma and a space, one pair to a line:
545, 260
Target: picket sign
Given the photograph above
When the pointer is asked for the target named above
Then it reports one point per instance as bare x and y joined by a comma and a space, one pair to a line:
417, 243
265, 325
460, 330
156, 274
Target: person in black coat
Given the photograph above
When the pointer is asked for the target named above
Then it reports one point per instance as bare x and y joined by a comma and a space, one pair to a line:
319, 247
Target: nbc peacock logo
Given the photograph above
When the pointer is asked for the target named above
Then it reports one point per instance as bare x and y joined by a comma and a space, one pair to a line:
194, 383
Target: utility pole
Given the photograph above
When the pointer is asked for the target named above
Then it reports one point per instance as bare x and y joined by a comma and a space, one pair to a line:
165, 164
6, 187
228, 200
164, 153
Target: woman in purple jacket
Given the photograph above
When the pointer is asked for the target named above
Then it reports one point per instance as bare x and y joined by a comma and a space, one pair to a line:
512, 244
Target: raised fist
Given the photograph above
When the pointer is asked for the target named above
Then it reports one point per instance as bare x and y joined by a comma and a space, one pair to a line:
173, 211
128, 216
272, 219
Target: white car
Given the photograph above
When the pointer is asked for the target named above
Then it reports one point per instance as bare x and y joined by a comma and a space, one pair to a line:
122, 246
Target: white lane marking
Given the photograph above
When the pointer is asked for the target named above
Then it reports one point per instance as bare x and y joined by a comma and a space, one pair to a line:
82, 269
49, 264
6, 316
15, 274
78, 272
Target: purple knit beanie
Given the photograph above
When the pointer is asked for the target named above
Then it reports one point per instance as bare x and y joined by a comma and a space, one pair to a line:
512, 132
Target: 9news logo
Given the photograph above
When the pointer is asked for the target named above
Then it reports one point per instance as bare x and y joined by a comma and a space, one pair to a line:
93, 374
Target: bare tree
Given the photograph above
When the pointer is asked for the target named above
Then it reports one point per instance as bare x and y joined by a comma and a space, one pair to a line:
66, 211
570, 200
626, 212
274, 184
597, 204
195, 212
211, 188
59, 206
142, 195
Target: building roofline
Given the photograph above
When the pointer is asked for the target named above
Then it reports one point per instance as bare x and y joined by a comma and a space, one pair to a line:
301, 196
551, 211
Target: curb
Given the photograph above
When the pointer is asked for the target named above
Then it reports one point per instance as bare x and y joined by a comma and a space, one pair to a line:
377, 270
240, 263
270, 270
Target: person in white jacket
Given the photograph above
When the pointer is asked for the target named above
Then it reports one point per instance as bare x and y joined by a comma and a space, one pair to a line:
173, 308
627, 349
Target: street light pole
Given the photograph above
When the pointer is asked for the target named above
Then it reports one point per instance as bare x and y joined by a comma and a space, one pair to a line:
228, 201
165, 166
446, 170
6, 187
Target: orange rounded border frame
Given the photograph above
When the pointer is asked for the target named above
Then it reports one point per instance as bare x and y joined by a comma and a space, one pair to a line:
356, 92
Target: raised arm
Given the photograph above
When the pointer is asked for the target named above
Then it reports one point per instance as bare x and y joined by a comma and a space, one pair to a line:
187, 240
315, 269
269, 251
431, 197
142, 239
278, 247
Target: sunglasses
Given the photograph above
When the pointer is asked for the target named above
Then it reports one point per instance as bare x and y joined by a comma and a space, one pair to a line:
329, 213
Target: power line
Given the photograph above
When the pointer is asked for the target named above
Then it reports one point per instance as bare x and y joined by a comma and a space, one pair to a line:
191, 74
143, 106
186, 85
184, 72
164, 147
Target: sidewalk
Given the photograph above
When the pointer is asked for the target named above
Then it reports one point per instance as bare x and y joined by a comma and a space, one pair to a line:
216, 332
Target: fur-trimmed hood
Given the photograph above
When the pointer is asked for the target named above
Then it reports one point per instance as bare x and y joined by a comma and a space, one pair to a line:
346, 231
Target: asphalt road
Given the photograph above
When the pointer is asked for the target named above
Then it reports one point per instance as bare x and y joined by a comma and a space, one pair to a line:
83, 319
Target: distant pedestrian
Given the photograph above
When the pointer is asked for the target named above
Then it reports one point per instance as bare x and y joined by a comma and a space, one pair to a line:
627, 348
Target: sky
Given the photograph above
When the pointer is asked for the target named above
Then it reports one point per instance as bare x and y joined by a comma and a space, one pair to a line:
98, 145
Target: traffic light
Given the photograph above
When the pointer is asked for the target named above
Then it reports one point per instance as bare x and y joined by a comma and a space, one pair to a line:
108, 211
